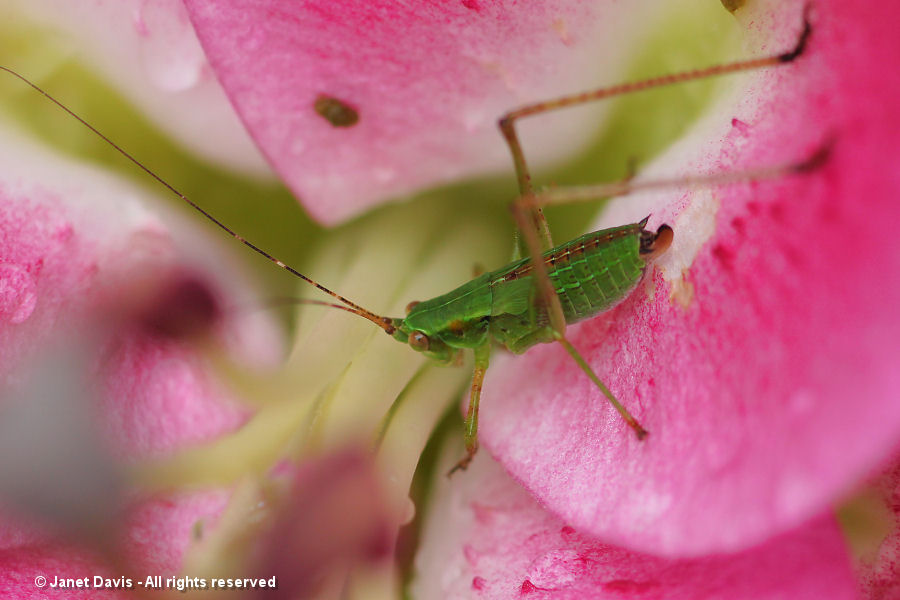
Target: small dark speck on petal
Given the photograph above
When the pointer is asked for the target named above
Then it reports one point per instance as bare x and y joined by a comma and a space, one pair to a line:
337, 112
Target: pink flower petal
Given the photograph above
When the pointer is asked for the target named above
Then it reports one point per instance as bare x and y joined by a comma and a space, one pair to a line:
159, 397
428, 82
334, 516
20, 568
73, 243
487, 538
150, 53
772, 388
160, 530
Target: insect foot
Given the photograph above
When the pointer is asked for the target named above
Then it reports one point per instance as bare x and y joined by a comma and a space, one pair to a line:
818, 158
463, 464
801, 41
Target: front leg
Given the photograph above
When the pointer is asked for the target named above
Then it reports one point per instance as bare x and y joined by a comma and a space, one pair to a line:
482, 358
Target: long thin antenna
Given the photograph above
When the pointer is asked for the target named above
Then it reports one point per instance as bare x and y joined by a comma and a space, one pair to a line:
290, 301
383, 322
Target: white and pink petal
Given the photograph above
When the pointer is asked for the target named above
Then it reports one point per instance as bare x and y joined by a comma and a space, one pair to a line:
762, 354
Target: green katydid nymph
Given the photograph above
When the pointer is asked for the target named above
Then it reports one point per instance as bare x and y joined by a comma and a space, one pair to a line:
590, 275
531, 300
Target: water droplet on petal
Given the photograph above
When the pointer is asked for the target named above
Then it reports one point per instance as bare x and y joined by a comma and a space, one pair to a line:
174, 75
474, 119
384, 174
297, 146
408, 512
170, 52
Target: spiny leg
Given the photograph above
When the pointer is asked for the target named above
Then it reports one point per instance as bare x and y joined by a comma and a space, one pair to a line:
507, 122
587, 193
482, 359
527, 209
557, 323
542, 280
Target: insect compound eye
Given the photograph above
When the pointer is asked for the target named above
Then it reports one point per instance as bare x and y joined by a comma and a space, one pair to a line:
411, 306
419, 341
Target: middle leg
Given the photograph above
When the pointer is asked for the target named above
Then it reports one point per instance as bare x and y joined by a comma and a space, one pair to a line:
482, 359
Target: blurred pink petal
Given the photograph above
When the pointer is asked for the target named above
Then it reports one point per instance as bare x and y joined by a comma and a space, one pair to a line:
82, 258
20, 567
428, 80
335, 515
75, 242
160, 396
149, 52
159, 532
160, 529
486, 537
771, 388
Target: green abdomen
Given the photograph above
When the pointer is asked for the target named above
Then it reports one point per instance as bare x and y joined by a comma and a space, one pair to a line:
592, 274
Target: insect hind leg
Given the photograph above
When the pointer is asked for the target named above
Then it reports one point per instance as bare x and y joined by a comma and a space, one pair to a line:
507, 123
527, 208
638, 429
623, 187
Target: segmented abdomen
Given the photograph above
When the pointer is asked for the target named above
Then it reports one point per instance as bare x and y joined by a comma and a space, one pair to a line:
595, 272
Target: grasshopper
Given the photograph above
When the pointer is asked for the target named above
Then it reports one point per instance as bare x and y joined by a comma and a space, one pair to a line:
533, 299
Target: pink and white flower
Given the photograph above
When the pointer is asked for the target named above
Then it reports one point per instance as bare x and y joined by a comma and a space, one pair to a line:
760, 354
